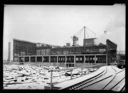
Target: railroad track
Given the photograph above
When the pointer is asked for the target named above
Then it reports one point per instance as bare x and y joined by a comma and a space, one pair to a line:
74, 86
80, 85
107, 83
102, 82
116, 86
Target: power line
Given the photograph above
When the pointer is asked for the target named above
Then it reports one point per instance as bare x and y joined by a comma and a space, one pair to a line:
78, 33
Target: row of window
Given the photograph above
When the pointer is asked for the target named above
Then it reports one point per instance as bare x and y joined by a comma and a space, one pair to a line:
69, 59
43, 52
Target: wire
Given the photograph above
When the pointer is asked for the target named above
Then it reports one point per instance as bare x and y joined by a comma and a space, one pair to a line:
92, 31
78, 32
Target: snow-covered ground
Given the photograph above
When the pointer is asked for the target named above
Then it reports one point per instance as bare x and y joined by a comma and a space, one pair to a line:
35, 77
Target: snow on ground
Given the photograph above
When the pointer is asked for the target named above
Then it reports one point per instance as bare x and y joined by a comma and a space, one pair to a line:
34, 77
18, 76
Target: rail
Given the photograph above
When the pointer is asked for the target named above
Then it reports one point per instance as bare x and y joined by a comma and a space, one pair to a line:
76, 86
112, 88
92, 81
81, 80
82, 84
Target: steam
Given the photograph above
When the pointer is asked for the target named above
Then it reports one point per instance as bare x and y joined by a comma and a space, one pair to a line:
115, 24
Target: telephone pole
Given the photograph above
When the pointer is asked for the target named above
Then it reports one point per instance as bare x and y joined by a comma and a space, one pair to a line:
51, 84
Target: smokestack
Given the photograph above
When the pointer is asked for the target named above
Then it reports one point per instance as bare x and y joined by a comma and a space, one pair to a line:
9, 51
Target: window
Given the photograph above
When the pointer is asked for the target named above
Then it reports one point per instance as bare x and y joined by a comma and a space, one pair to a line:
26, 59
39, 59
38, 52
32, 59
77, 58
22, 53
80, 58
102, 50
43, 52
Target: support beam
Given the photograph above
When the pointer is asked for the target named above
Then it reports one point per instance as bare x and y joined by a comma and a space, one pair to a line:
42, 59
74, 60
65, 61
84, 59
50, 60
95, 59
106, 59
57, 60
36, 58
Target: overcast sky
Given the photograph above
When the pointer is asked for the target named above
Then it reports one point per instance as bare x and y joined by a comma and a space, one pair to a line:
56, 24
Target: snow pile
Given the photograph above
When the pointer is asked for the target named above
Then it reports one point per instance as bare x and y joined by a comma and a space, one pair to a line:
21, 75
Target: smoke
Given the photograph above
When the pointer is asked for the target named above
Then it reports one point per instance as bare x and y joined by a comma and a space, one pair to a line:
114, 28
117, 20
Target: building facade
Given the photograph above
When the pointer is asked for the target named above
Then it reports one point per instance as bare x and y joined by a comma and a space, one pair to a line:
65, 56
22, 48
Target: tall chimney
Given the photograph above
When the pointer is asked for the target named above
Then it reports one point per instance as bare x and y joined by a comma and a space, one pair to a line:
9, 51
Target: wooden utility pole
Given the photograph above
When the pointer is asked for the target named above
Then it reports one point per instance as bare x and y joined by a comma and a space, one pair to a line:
71, 73
51, 85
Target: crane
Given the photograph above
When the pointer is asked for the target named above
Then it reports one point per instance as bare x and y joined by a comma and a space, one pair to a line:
78, 34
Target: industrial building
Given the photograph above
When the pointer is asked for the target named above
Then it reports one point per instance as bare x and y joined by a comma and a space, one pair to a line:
69, 56
21, 48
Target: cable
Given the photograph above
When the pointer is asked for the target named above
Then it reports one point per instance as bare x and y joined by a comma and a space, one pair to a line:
78, 32
92, 31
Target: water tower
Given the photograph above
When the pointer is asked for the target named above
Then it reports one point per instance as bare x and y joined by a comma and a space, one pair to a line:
75, 39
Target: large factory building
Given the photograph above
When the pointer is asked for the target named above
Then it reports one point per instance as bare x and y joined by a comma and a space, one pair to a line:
69, 56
